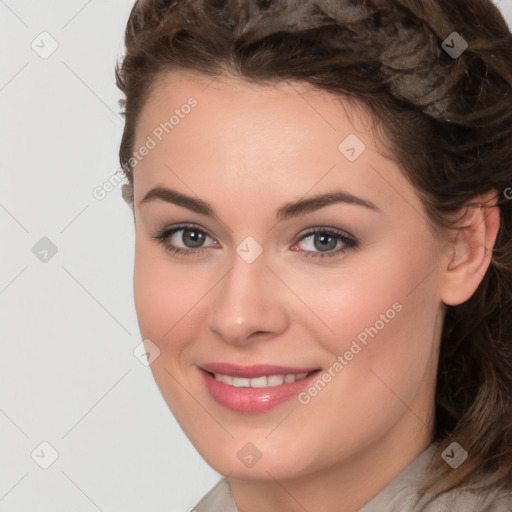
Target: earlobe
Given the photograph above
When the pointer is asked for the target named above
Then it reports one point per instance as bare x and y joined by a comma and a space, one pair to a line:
471, 250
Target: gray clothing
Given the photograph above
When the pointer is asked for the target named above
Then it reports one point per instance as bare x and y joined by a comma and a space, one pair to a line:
397, 496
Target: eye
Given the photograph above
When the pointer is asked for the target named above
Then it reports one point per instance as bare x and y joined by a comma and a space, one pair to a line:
187, 239
325, 242
320, 242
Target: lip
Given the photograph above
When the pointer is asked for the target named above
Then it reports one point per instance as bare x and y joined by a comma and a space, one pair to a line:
253, 400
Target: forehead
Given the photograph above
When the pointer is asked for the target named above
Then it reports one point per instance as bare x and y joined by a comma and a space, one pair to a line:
288, 136
220, 95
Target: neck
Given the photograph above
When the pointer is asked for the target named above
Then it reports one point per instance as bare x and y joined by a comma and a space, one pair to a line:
345, 487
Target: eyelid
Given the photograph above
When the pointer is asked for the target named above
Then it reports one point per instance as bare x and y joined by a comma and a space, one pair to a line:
183, 227
324, 229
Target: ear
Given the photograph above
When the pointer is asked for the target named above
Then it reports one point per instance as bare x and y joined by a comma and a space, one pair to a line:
470, 250
127, 193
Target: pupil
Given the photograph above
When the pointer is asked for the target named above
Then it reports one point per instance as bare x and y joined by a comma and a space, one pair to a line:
195, 238
325, 242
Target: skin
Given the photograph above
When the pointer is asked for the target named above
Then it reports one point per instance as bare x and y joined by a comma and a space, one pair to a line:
247, 150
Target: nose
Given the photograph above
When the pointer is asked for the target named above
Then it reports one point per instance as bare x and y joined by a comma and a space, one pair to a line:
248, 303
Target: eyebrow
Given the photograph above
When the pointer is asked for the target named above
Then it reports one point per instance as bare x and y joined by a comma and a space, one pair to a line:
288, 210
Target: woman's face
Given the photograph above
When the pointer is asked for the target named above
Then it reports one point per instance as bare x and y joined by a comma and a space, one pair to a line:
343, 287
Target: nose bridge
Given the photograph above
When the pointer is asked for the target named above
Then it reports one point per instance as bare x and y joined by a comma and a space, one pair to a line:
245, 300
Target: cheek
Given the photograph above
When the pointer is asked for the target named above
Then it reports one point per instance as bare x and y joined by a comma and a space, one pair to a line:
164, 297
378, 290
163, 292
151, 296
389, 319
379, 313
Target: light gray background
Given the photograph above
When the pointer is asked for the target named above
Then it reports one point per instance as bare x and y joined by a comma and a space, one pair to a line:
67, 370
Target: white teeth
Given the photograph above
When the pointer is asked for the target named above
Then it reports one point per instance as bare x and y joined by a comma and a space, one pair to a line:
275, 380
227, 379
241, 382
259, 382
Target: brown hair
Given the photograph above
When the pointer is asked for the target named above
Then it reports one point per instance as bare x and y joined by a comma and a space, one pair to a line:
448, 120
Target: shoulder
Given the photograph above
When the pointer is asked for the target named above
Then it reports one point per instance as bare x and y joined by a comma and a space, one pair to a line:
401, 494
456, 500
469, 500
219, 498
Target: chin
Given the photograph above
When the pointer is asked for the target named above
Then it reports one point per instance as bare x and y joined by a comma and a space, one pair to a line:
244, 460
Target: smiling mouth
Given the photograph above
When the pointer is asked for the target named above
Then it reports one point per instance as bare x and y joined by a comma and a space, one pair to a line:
255, 388
260, 382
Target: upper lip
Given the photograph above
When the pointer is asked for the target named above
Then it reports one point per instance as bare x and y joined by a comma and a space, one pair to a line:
253, 371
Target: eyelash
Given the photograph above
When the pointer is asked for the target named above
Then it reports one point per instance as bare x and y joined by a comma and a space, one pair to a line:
350, 242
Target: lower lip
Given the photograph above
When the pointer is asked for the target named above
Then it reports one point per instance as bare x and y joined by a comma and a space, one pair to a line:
253, 400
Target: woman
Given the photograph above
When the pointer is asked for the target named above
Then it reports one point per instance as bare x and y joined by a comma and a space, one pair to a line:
321, 196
